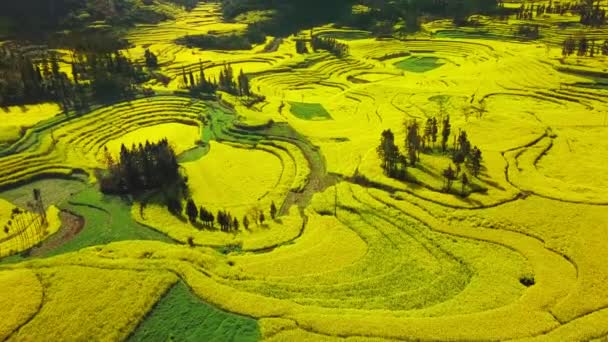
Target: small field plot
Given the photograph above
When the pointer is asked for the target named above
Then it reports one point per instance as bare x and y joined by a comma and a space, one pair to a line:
235, 179
181, 137
309, 111
419, 64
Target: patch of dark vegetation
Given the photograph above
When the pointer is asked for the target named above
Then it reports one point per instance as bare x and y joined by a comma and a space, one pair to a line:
33, 76
336, 48
40, 20
527, 280
289, 16
244, 41
149, 166
393, 55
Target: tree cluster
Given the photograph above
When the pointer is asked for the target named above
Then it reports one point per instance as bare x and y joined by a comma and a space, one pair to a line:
301, 46
590, 14
464, 152
584, 47
528, 31
394, 163
338, 49
200, 83
27, 77
151, 59
253, 35
112, 76
39, 19
289, 16
143, 167
383, 15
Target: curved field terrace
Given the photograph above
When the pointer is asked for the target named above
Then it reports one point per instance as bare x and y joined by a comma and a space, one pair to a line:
334, 183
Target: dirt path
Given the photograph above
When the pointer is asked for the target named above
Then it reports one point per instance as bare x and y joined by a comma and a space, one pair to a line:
71, 225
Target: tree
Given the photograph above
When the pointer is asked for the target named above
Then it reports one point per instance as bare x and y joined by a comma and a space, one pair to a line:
273, 210
175, 206
151, 59
184, 77
463, 143
203, 215
235, 224
192, 81
465, 182
583, 46
388, 152
445, 133
428, 132
450, 176
262, 218
412, 141
475, 160
301, 46
191, 210
434, 131
246, 222
243, 83
605, 48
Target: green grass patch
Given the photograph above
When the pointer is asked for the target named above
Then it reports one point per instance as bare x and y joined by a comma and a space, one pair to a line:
55, 191
193, 154
309, 111
419, 64
107, 219
181, 316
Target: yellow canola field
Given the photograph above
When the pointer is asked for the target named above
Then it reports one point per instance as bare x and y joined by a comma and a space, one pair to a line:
325, 240
271, 234
182, 137
20, 296
87, 303
235, 179
24, 231
16, 118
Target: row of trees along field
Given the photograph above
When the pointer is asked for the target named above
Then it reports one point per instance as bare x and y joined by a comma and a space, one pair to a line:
394, 163
336, 48
226, 221
199, 83
27, 78
584, 47
590, 11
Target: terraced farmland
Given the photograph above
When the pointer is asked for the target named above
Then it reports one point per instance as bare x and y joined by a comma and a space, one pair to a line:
514, 252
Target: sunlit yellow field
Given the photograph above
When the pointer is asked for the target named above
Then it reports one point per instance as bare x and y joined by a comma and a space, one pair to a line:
516, 251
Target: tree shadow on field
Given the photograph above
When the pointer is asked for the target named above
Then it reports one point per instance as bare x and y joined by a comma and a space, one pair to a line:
428, 171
